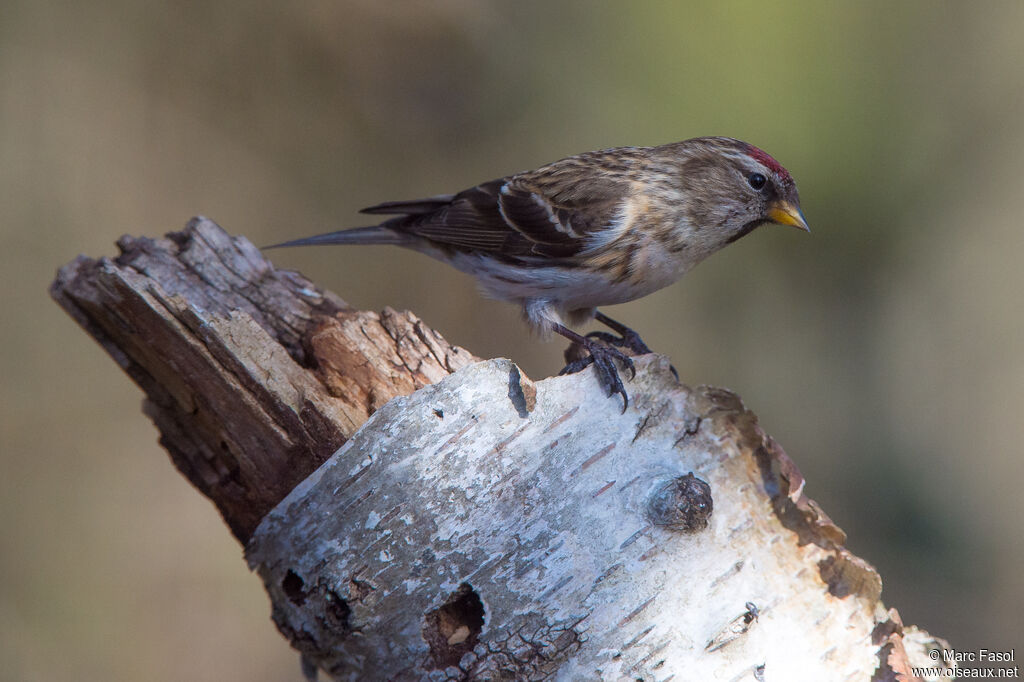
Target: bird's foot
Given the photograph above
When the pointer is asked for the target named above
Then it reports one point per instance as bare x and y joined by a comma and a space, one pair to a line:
603, 358
629, 339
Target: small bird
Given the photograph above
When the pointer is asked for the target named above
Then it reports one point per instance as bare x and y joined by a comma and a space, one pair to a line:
595, 229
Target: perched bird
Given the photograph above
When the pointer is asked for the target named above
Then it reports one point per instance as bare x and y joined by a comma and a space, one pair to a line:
591, 230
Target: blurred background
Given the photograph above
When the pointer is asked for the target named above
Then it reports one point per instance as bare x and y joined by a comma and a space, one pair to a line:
885, 351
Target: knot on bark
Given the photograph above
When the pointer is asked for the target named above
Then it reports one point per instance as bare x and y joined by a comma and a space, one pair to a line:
682, 504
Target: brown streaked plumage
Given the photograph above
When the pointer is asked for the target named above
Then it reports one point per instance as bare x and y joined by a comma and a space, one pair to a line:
595, 229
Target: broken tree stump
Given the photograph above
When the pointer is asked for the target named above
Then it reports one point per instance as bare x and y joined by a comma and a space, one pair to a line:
416, 513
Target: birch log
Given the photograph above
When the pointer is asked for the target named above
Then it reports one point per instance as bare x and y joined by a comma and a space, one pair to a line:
417, 514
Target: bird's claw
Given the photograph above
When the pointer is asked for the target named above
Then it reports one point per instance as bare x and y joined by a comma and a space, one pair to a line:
604, 358
631, 340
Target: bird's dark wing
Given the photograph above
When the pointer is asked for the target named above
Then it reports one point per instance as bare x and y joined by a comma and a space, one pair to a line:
551, 212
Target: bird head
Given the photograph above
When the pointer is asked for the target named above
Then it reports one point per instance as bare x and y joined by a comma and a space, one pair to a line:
734, 187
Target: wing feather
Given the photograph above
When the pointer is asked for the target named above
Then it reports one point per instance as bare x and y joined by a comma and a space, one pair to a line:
555, 211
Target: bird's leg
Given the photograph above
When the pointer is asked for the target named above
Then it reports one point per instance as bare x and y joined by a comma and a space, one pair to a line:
603, 358
627, 337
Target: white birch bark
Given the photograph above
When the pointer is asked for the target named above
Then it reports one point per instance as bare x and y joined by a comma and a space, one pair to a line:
527, 509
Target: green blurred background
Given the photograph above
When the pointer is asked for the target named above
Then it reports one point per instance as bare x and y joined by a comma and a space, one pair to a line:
885, 351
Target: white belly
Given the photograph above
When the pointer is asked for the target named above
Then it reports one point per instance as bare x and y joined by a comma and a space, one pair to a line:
553, 293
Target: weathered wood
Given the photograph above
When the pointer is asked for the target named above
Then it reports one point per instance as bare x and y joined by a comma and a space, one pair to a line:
478, 525
253, 375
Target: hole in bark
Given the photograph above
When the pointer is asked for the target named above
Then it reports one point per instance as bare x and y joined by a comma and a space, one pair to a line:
451, 631
338, 612
293, 588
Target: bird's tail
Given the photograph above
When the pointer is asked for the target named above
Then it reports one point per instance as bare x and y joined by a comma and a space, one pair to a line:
378, 234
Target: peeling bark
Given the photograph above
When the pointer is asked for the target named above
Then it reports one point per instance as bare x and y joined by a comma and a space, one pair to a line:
417, 514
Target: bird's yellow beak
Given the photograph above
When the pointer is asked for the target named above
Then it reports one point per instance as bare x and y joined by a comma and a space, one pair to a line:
785, 213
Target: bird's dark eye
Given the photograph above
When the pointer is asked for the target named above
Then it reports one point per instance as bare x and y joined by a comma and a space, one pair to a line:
757, 181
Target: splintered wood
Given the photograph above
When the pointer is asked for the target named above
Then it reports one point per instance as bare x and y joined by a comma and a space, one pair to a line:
240, 362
